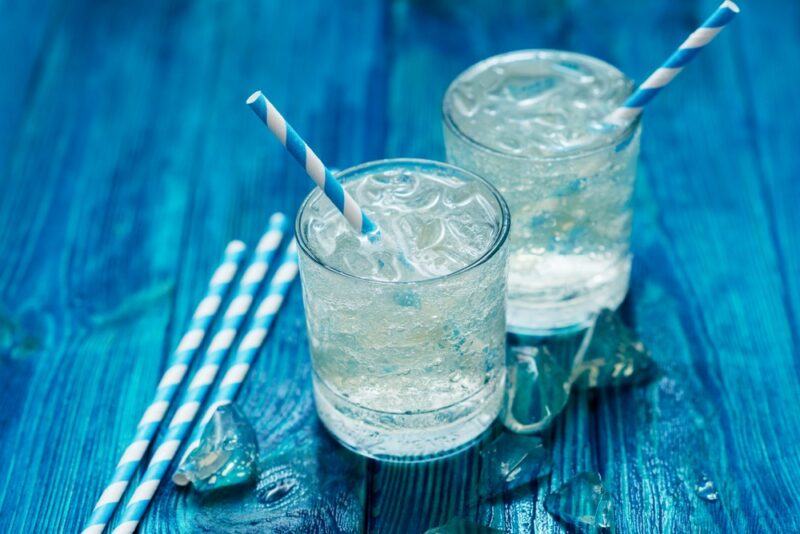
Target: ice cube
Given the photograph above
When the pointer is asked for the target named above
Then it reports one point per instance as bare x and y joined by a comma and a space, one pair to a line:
538, 389
582, 501
528, 90
464, 101
430, 233
615, 356
227, 454
511, 460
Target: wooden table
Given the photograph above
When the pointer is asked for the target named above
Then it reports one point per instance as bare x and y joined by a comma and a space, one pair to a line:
128, 158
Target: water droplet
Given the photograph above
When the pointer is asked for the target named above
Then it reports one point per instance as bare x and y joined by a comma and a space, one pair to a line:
279, 483
278, 490
706, 489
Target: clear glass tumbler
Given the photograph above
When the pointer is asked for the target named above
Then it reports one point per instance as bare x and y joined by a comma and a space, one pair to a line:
530, 122
407, 370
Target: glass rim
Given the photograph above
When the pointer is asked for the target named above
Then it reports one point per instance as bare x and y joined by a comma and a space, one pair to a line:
621, 138
497, 244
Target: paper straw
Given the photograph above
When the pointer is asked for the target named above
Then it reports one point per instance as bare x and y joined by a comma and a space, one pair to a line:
204, 377
311, 163
248, 349
182, 358
677, 61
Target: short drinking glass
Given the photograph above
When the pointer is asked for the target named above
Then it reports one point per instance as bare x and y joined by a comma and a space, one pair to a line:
531, 123
407, 332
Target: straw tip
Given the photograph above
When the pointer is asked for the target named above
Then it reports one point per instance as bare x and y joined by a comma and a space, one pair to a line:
731, 5
255, 96
235, 246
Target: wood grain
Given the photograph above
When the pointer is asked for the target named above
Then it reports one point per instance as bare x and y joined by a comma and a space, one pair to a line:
128, 159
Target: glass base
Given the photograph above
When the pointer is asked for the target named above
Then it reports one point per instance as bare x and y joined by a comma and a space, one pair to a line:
555, 310
409, 437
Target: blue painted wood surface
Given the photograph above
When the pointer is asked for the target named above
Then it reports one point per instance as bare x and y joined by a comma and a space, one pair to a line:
128, 159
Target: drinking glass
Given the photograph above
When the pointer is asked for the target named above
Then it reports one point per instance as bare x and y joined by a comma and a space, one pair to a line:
406, 370
530, 123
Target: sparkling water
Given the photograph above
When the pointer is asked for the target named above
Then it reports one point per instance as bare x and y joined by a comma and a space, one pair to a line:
531, 123
407, 331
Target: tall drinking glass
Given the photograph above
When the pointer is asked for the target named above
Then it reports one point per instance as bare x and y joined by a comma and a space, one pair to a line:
407, 333
530, 122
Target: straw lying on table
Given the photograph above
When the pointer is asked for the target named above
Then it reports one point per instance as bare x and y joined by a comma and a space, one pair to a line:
249, 347
674, 65
187, 349
315, 169
204, 377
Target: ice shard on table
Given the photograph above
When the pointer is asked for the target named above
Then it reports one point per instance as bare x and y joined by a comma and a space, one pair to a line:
582, 501
227, 455
615, 357
538, 388
511, 460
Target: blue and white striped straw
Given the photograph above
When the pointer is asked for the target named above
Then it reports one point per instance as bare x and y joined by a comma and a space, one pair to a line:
677, 61
311, 163
204, 377
170, 382
248, 349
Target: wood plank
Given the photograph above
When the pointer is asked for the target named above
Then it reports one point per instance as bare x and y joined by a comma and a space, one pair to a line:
773, 131
707, 298
320, 86
90, 274
151, 135
26, 30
